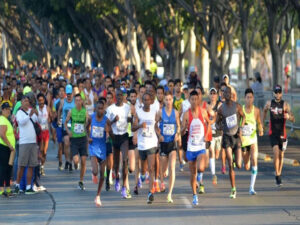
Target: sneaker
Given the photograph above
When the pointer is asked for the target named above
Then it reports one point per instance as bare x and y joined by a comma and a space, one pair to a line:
66, 165
214, 180
162, 187
139, 184
107, 187
169, 199
143, 178
81, 186
278, 181
150, 198
223, 170
233, 193
183, 162
8, 194
156, 186
128, 194
16, 190
123, 192
70, 167
40, 188
181, 167
117, 186
60, 166
76, 166
195, 200
201, 189
198, 177
135, 190
252, 192
98, 201
30, 191
94, 179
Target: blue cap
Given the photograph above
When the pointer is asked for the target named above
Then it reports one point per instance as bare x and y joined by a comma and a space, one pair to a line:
69, 89
124, 90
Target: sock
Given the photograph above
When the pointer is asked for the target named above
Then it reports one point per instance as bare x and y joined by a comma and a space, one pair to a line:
28, 187
233, 189
253, 177
201, 177
18, 185
212, 166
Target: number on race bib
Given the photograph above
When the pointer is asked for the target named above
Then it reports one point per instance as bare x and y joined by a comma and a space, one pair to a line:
169, 129
196, 139
78, 128
97, 132
146, 132
247, 130
231, 121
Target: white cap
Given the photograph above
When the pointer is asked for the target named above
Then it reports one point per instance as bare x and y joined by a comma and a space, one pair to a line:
213, 89
224, 76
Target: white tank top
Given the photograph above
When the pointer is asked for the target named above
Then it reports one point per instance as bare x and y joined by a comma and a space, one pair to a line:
90, 108
196, 140
147, 138
43, 118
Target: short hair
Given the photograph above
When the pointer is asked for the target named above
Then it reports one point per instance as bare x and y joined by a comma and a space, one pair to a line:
41, 95
249, 90
77, 95
109, 93
146, 93
177, 81
102, 99
166, 93
142, 86
194, 93
171, 81
161, 88
132, 91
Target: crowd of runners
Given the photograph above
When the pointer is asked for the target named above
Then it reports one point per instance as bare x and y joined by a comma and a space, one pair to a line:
127, 125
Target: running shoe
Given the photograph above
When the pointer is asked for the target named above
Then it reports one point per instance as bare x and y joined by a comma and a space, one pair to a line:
76, 166
278, 181
223, 170
201, 189
195, 200
117, 185
30, 192
107, 187
98, 201
150, 198
94, 179
128, 194
136, 191
17, 190
143, 178
181, 167
169, 199
198, 177
81, 186
162, 187
156, 186
8, 194
214, 180
139, 184
70, 167
233, 193
60, 166
66, 166
252, 192
124, 192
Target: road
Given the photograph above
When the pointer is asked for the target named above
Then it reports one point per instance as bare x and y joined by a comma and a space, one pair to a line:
63, 203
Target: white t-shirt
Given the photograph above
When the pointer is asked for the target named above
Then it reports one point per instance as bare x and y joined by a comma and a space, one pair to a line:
90, 95
43, 117
26, 128
155, 106
147, 138
120, 127
185, 105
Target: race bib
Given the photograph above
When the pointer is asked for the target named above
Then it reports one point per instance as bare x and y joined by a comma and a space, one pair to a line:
169, 129
97, 132
78, 128
121, 125
196, 139
247, 130
146, 132
231, 121
44, 126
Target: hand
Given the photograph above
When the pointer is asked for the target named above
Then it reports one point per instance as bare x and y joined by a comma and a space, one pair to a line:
286, 116
11, 148
161, 138
90, 140
261, 132
33, 110
144, 125
116, 119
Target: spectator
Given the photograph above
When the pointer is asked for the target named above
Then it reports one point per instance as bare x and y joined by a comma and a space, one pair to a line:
258, 90
28, 149
7, 145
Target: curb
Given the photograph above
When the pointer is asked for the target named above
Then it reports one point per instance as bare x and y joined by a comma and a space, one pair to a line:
267, 158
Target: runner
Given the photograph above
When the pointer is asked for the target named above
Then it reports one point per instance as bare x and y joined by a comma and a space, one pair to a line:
169, 125
118, 114
249, 137
43, 119
233, 92
144, 123
230, 114
280, 112
79, 121
194, 120
97, 147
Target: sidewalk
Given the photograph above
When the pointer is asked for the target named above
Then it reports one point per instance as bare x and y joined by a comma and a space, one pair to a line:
292, 154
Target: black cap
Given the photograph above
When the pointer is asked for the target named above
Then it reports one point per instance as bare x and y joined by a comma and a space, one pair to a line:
5, 105
277, 88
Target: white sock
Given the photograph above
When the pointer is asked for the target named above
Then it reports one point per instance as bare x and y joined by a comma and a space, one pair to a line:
253, 177
28, 187
201, 177
18, 185
212, 166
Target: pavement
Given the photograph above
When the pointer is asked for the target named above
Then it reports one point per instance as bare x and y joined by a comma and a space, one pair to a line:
63, 203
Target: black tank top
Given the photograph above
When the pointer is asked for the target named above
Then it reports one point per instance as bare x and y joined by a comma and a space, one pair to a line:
230, 119
277, 121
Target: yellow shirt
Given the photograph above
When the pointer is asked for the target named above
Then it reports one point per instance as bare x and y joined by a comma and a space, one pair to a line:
9, 132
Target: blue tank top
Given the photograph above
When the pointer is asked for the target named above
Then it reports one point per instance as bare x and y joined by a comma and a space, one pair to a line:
66, 108
168, 126
98, 135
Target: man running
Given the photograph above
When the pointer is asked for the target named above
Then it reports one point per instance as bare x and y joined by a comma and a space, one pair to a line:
195, 120
97, 146
169, 125
280, 112
230, 114
79, 121
249, 137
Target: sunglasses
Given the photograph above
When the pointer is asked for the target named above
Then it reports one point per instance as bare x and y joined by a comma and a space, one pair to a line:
277, 91
213, 93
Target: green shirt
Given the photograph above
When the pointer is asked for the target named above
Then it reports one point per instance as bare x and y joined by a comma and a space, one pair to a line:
17, 106
78, 127
9, 132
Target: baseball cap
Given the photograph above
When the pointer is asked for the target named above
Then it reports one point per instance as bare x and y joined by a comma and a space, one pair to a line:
213, 89
277, 89
69, 89
185, 86
5, 105
26, 90
124, 90
224, 76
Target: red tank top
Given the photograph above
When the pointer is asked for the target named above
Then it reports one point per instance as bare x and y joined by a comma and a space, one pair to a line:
200, 118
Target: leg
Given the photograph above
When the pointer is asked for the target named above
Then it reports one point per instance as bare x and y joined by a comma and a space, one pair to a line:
193, 173
151, 168
131, 159
172, 164
29, 175
101, 180
116, 159
67, 149
231, 170
254, 153
276, 160
82, 167
163, 167
94, 163
246, 159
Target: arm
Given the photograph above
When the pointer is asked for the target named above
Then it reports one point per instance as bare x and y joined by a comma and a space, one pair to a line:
60, 109
66, 124
288, 114
157, 130
22, 119
136, 125
260, 125
185, 123
242, 115
205, 117
266, 109
3, 129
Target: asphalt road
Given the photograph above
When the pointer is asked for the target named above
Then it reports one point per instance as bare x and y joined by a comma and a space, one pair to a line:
63, 203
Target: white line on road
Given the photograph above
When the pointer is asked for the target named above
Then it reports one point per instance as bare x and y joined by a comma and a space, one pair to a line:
186, 202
